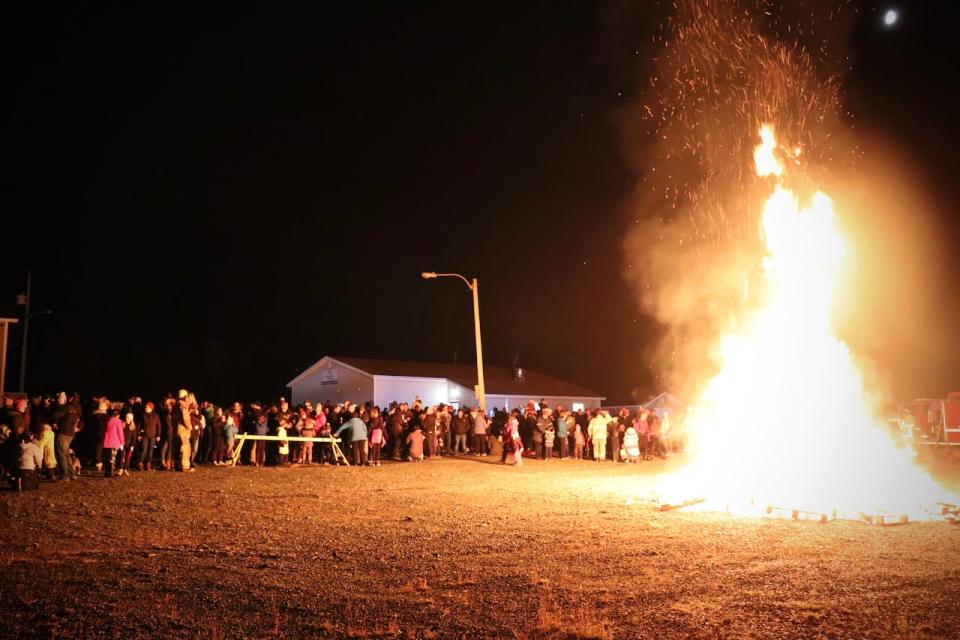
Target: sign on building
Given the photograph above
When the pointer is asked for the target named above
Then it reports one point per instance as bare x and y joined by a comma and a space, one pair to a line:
328, 377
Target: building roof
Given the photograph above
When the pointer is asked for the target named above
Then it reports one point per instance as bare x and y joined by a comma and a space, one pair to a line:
497, 380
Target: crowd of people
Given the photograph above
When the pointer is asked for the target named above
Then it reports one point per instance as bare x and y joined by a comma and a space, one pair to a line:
55, 437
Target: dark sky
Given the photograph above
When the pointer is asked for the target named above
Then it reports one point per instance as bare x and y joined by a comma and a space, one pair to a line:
215, 198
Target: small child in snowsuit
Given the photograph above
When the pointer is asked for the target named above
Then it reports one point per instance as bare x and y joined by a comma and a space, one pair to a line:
548, 437
578, 442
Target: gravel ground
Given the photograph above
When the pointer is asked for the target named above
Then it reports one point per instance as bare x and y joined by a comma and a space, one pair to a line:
451, 548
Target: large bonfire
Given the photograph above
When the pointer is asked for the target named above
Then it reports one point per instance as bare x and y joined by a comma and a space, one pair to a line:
745, 265
786, 424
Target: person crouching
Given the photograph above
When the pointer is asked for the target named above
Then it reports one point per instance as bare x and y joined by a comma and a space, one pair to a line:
30, 460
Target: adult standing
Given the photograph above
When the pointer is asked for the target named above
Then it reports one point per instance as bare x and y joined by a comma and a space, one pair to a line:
460, 426
479, 432
67, 419
100, 428
565, 424
112, 442
597, 432
184, 425
151, 436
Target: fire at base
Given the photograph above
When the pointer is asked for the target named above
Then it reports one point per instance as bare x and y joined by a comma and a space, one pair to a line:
759, 446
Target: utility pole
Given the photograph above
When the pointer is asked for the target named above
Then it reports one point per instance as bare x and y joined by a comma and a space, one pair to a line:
480, 391
26, 331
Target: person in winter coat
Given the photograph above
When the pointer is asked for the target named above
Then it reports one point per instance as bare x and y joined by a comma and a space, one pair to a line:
100, 426
219, 437
613, 438
430, 431
631, 444
358, 439
564, 423
131, 434
479, 432
284, 449
28, 462
150, 436
415, 444
578, 442
512, 442
397, 427
112, 442
597, 431
543, 422
229, 435
642, 427
260, 446
377, 432
548, 437
460, 427
66, 417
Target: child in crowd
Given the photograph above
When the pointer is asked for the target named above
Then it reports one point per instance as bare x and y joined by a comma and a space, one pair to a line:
284, 449
512, 441
29, 462
631, 445
260, 446
130, 436
229, 434
415, 444
549, 435
306, 448
377, 437
111, 443
578, 441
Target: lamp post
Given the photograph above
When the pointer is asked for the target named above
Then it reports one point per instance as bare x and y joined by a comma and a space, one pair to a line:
472, 285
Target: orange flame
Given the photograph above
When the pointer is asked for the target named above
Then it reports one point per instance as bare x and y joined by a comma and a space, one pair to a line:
786, 422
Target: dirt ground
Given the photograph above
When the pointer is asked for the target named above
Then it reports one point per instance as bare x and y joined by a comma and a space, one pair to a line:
448, 549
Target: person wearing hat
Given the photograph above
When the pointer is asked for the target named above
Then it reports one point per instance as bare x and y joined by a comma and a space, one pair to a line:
184, 427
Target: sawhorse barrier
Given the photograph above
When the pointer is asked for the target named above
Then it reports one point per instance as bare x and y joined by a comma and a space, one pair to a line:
332, 441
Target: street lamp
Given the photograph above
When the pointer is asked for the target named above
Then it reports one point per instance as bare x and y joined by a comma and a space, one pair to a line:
472, 285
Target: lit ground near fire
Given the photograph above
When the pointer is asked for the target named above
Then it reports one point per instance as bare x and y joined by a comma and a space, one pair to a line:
451, 548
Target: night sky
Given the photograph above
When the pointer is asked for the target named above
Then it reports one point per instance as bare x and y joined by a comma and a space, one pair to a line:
216, 198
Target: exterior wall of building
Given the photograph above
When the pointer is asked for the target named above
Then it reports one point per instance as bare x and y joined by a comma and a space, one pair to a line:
402, 389
513, 402
332, 382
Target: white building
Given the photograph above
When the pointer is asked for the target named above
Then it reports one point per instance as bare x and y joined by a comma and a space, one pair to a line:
337, 379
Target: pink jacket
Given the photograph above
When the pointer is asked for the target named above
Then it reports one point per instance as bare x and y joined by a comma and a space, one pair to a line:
113, 435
